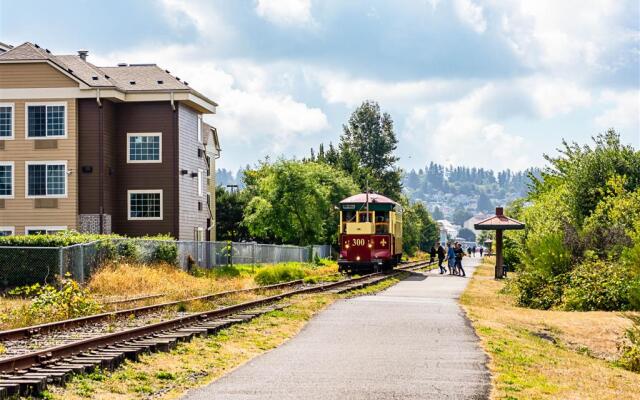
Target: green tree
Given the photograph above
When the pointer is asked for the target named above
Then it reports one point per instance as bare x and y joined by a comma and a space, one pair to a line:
467, 234
460, 215
484, 203
419, 230
294, 202
367, 148
230, 214
437, 214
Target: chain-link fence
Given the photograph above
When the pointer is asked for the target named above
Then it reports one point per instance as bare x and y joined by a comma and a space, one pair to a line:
27, 265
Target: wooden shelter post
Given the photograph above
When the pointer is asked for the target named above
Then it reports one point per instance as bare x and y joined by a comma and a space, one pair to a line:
499, 257
499, 223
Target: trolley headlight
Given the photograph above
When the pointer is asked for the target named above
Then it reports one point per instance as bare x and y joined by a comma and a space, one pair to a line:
358, 258
346, 246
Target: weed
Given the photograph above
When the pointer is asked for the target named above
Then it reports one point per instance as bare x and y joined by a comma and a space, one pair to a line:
279, 273
166, 376
630, 349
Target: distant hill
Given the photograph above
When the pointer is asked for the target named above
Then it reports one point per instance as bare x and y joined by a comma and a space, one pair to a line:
456, 193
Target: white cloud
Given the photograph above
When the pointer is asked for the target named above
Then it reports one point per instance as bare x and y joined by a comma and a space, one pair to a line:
555, 97
285, 12
340, 88
624, 111
569, 36
471, 14
458, 133
202, 14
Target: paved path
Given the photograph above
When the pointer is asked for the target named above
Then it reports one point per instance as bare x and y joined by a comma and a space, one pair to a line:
411, 341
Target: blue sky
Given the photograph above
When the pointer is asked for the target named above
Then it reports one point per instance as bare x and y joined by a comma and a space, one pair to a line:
484, 83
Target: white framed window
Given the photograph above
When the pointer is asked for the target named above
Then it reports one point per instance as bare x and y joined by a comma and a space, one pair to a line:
144, 204
144, 147
43, 230
200, 182
7, 230
46, 179
7, 121
199, 128
46, 120
7, 169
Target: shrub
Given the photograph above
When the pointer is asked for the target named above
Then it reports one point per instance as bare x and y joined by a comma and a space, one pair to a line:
538, 290
129, 250
273, 274
599, 285
52, 303
166, 252
630, 349
59, 239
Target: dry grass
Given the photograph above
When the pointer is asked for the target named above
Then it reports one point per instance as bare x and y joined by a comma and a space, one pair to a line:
526, 366
140, 279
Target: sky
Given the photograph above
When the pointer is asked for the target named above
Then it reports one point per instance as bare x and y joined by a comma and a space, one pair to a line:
493, 84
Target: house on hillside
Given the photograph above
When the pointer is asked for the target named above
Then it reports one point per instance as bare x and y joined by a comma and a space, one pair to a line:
119, 149
469, 223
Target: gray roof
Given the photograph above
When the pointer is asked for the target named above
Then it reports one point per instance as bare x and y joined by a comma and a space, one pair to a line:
143, 77
86, 71
127, 78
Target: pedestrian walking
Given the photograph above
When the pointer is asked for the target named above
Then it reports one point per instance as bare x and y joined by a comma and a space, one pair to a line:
469, 251
432, 254
474, 251
441, 257
459, 255
481, 251
451, 259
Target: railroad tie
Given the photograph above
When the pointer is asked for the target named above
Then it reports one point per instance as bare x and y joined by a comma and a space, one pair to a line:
26, 386
9, 389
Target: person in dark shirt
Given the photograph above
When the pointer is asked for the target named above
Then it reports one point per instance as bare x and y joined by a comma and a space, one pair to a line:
459, 254
441, 256
432, 254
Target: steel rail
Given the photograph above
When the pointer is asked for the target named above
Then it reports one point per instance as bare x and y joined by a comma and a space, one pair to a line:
24, 361
25, 332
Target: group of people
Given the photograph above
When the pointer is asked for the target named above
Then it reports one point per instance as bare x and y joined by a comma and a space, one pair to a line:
473, 250
453, 255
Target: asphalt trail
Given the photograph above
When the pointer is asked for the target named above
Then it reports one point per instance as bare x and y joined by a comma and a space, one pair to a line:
411, 341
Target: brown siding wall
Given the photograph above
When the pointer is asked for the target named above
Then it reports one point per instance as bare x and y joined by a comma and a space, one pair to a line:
33, 75
145, 117
21, 211
93, 120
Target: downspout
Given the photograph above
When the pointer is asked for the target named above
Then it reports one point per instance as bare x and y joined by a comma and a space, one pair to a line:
176, 154
101, 162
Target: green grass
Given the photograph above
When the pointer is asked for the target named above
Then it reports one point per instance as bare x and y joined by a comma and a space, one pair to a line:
279, 273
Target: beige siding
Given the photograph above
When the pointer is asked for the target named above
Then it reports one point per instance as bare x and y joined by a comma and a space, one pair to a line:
20, 211
33, 75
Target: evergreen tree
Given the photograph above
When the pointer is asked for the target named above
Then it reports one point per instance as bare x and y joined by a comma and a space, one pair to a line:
367, 146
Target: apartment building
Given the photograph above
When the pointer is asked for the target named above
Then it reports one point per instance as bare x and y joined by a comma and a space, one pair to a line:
103, 149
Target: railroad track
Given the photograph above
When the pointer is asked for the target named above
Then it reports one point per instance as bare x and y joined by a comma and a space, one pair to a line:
30, 372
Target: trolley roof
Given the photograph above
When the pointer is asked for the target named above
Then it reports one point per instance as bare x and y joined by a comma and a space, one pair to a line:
377, 202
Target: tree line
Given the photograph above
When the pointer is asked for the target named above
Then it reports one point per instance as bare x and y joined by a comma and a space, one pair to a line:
294, 201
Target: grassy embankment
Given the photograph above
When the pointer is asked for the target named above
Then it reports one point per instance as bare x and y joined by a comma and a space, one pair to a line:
193, 364
124, 280
537, 354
